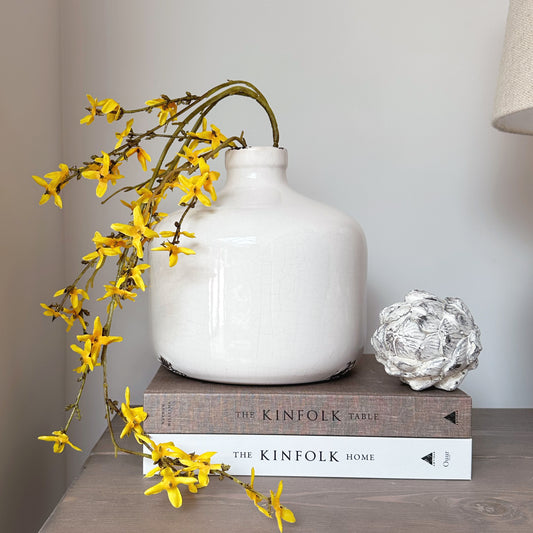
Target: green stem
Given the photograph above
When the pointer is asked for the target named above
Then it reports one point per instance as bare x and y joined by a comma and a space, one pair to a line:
178, 101
75, 282
212, 98
75, 407
124, 258
249, 93
247, 486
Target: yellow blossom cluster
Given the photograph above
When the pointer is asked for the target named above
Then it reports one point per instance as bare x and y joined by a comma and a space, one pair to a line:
167, 107
104, 171
93, 343
59, 438
109, 107
281, 512
105, 247
52, 188
189, 171
77, 297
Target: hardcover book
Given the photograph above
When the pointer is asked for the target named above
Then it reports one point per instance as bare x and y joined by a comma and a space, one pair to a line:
322, 456
366, 402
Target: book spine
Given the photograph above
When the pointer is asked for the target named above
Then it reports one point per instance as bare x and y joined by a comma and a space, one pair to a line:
340, 415
320, 456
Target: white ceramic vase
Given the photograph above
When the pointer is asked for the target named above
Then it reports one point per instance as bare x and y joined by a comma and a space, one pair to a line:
276, 292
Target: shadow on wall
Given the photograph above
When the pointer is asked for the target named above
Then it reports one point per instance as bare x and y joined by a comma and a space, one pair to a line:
513, 187
512, 202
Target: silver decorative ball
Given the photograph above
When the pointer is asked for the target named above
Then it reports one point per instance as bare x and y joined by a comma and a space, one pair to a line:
427, 341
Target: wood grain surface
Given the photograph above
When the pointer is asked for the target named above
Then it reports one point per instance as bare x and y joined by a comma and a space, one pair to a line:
108, 495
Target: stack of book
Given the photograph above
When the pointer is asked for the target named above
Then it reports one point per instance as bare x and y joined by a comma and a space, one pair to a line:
366, 424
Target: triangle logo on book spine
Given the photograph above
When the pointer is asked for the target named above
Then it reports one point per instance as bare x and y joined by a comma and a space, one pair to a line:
429, 458
452, 417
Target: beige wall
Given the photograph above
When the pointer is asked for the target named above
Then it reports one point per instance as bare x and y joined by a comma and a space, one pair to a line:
32, 381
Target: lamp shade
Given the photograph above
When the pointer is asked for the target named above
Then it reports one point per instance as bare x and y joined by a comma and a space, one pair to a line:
513, 110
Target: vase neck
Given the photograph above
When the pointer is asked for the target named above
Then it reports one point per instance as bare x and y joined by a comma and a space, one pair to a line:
256, 166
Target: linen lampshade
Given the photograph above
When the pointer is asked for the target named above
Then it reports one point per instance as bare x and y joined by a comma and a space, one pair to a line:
513, 110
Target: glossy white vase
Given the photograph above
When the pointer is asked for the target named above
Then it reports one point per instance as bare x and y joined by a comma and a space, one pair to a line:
276, 291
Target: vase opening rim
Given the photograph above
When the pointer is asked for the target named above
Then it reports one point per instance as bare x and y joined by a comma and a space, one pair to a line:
256, 156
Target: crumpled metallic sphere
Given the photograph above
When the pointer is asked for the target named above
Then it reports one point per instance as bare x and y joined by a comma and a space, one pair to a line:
427, 341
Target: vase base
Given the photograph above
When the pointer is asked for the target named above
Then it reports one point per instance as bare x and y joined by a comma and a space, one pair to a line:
261, 380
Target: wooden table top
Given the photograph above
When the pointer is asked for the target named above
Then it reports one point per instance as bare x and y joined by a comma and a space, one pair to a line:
108, 496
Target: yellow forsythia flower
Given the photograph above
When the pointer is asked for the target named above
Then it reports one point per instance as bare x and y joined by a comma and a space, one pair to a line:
97, 339
255, 497
193, 188
103, 171
113, 290
134, 416
191, 156
134, 274
213, 136
121, 136
173, 251
170, 483
59, 438
137, 231
208, 176
112, 109
74, 294
167, 108
142, 156
92, 111
203, 464
50, 190
87, 358
282, 513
